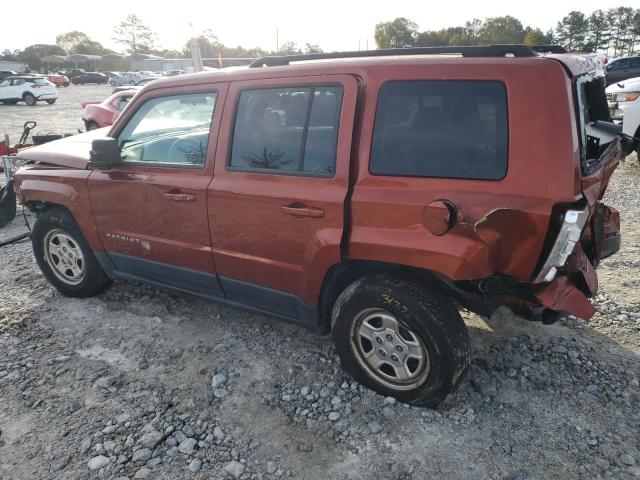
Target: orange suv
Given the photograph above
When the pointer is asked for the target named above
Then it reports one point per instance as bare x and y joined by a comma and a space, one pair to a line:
366, 194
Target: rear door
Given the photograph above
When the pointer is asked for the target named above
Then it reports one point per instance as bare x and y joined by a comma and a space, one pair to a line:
277, 199
151, 211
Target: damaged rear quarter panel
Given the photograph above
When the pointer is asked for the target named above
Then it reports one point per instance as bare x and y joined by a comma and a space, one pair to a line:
503, 223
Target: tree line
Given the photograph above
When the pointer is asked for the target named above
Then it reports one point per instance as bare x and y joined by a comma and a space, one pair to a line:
138, 38
615, 32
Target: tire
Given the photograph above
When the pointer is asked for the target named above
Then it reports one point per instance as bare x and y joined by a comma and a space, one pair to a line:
429, 333
91, 125
10, 102
51, 102
8, 206
29, 99
57, 227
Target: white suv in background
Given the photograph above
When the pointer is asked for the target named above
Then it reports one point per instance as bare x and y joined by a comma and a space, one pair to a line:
28, 89
624, 105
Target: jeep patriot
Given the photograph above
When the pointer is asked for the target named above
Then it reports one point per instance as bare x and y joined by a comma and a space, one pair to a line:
366, 194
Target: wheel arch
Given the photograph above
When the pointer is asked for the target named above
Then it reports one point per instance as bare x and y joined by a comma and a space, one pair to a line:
341, 275
41, 195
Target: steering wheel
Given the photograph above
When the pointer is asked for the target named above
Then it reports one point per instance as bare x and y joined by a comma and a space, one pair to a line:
189, 148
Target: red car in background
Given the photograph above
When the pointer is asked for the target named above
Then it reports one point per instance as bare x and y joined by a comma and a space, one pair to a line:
101, 114
58, 80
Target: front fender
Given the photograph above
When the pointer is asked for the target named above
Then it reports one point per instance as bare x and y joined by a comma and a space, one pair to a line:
64, 187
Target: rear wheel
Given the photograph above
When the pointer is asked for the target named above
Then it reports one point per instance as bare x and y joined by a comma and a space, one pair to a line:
51, 102
10, 102
402, 338
64, 256
29, 99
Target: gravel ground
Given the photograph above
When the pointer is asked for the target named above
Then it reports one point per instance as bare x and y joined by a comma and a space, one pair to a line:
137, 383
64, 116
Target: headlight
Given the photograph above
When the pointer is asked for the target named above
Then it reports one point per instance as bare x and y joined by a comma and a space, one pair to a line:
570, 233
627, 96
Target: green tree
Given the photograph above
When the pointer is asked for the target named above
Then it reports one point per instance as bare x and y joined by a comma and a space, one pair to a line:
432, 38
68, 41
10, 56
500, 30
33, 54
312, 48
289, 48
398, 33
598, 32
91, 47
134, 35
621, 30
535, 36
571, 31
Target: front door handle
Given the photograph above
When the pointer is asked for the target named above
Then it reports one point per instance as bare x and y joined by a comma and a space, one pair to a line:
178, 196
301, 210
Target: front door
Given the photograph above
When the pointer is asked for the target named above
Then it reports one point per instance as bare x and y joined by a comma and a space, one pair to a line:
151, 210
276, 204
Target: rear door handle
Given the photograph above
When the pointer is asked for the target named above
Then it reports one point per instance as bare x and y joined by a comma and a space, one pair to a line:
178, 196
300, 210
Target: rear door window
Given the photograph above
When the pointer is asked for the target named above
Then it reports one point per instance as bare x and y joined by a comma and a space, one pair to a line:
446, 129
287, 130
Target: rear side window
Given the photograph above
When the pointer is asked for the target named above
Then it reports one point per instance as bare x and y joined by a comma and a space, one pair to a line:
446, 129
289, 130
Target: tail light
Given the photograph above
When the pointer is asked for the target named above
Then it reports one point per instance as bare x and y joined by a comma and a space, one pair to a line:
569, 234
35, 85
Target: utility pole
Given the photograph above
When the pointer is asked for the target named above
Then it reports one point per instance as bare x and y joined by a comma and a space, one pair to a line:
277, 42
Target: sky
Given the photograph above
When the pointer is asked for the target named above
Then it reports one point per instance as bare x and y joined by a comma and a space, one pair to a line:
332, 24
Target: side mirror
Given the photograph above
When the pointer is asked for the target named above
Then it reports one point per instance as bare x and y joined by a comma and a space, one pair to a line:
104, 153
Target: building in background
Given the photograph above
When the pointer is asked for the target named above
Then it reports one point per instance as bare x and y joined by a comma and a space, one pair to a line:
17, 67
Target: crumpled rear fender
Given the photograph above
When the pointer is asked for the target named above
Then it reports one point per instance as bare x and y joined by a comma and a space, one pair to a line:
569, 292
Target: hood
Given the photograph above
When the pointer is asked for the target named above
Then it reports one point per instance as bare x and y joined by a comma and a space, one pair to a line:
70, 152
628, 85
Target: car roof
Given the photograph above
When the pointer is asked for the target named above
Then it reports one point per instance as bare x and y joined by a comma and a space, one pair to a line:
23, 76
576, 64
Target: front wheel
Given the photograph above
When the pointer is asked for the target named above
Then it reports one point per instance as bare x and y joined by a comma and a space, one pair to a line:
64, 256
401, 337
90, 125
29, 99
51, 102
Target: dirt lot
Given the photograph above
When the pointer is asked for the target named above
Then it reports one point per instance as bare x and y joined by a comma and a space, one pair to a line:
137, 383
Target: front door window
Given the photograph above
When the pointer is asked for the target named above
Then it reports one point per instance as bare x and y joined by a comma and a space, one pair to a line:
170, 131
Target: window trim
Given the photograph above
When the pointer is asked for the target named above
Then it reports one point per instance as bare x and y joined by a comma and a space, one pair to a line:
164, 164
457, 80
313, 87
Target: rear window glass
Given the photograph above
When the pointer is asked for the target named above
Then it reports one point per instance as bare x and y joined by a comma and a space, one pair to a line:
447, 129
287, 130
40, 81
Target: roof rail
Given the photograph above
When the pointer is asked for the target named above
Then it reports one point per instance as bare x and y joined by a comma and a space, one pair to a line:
549, 49
465, 51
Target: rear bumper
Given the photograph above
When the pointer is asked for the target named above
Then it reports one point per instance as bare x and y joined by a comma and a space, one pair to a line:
570, 291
